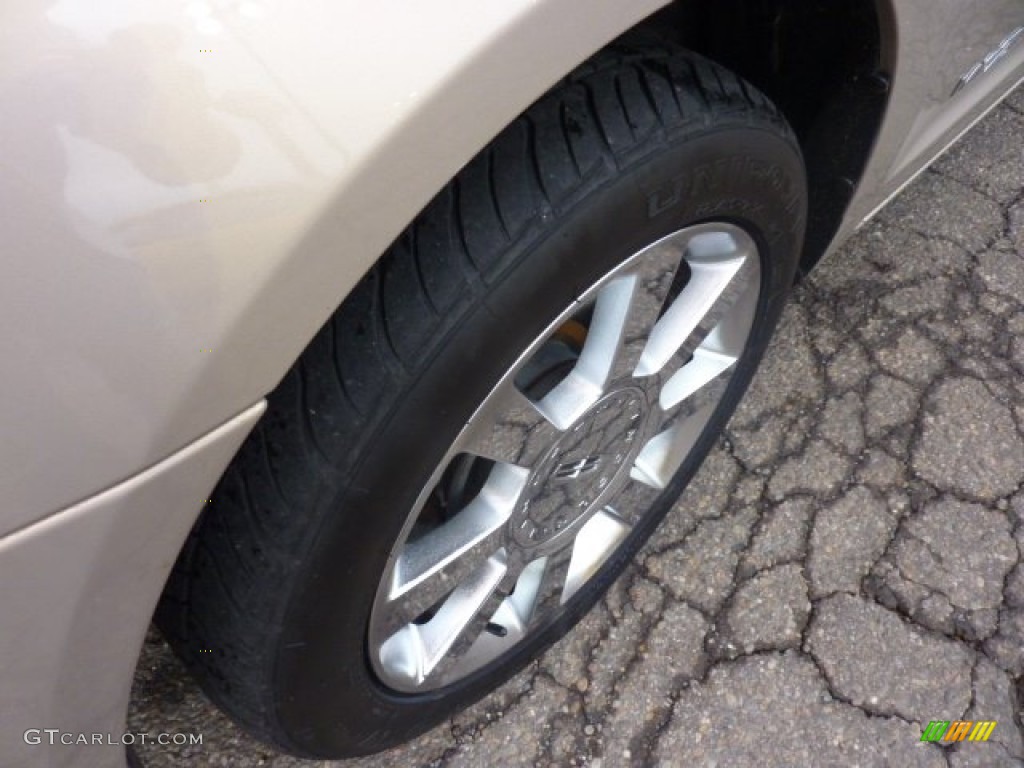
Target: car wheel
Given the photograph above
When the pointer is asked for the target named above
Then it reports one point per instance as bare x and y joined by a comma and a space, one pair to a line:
498, 416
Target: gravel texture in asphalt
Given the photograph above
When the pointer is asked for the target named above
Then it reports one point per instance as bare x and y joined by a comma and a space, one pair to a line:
846, 566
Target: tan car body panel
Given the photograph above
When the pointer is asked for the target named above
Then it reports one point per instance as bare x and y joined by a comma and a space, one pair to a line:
188, 190
936, 43
178, 223
73, 588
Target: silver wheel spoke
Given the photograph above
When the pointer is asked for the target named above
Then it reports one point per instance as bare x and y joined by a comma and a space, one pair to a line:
552, 584
666, 451
587, 381
705, 367
597, 539
508, 427
436, 563
626, 308
720, 348
721, 265
424, 651
462, 627
606, 337
649, 276
514, 612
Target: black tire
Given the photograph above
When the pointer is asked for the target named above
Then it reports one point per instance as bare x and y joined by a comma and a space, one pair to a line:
269, 601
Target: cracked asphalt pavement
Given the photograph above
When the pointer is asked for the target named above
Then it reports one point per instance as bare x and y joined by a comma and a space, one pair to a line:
846, 566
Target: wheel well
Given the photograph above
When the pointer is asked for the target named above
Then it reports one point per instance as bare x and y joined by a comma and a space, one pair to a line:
826, 65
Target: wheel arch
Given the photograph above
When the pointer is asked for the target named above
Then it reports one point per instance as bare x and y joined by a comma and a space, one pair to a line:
834, 93
828, 67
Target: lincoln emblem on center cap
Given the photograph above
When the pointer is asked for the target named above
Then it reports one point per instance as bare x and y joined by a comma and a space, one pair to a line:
572, 470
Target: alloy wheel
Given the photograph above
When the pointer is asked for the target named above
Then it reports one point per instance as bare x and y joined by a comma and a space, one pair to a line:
564, 457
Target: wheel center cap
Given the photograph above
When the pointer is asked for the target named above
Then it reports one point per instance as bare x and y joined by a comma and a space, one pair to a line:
582, 469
